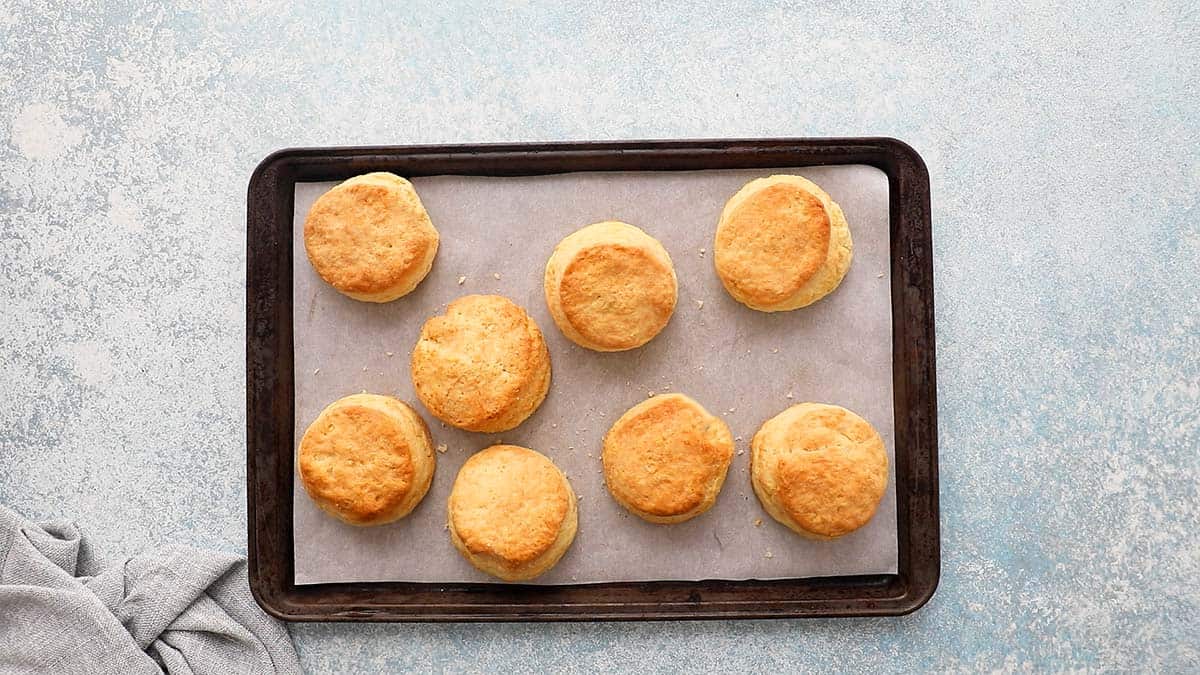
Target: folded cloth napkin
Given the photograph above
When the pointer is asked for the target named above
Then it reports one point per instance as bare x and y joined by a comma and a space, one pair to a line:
177, 609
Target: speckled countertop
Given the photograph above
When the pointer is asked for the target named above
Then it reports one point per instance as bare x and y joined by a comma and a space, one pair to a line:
1064, 151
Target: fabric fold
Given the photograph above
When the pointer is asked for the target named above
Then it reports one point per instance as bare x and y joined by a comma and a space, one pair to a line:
175, 609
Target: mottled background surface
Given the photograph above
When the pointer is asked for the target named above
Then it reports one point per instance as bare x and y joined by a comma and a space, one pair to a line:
1064, 150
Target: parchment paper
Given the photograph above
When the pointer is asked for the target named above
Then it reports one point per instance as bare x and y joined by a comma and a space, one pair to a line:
743, 365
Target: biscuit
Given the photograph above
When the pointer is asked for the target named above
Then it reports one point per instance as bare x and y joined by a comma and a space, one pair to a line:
819, 469
482, 366
610, 287
366, 459
782, 243
666, 459
511, 512
370, 237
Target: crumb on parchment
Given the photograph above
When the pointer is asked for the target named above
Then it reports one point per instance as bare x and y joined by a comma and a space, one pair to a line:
758, 522
316, 371
699, 304
390, 354
768, 555
496, 276
462, 280
442, 448
790, 395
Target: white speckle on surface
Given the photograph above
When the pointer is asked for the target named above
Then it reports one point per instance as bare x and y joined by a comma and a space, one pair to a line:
91, 361
441, 447
39, 132
462, 280
123, 212
699, 304
496, 276
1115, 482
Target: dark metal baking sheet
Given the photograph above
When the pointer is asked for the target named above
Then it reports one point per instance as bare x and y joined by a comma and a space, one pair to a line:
270, 395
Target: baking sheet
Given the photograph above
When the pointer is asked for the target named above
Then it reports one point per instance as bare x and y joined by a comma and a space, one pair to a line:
743, 365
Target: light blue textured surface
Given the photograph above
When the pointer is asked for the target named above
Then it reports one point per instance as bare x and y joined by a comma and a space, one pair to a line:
1064, 151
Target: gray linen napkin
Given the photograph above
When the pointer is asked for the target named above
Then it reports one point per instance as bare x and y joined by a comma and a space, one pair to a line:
177, 609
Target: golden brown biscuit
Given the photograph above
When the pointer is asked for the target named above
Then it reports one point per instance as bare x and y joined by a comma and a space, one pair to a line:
370, 237
782, 243
610, 287
512, 513
818, 469
367, 459
666, 459
482, 366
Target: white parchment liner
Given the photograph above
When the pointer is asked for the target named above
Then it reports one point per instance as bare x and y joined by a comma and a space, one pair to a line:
738, 363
